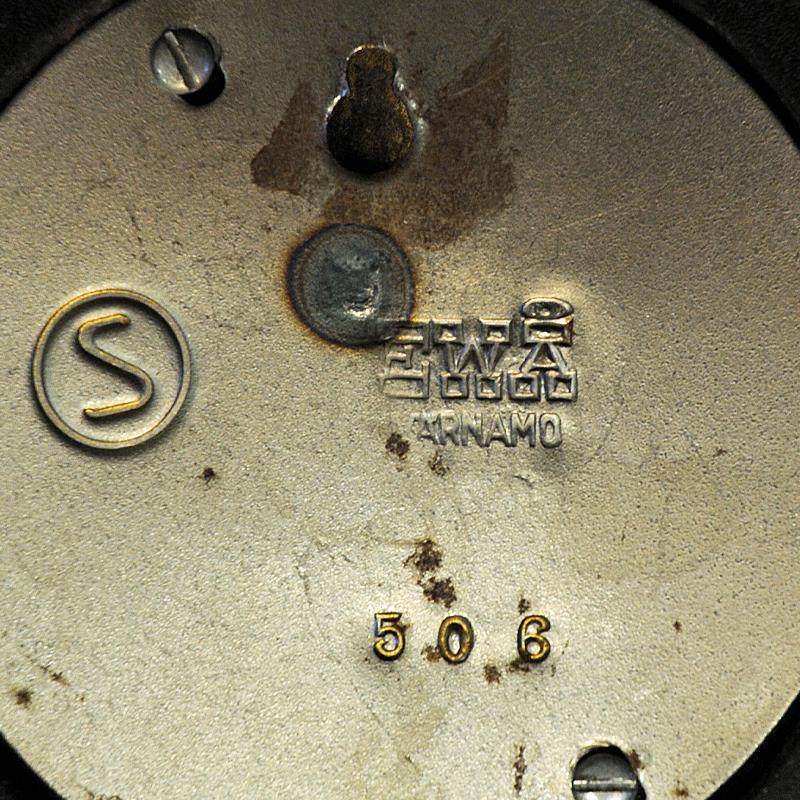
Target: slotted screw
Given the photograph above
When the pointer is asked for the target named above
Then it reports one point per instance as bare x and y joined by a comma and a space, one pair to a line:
182, 61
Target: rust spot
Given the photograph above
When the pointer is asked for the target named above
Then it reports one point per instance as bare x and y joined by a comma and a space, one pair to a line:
396, 445
491, 673
287, 162
720, 451
680, 790
635, 760
53, 675
677, 625
208, 475
431, 653
463, 172
518, 665
427, 557
437, 465
520, 768
23, 697
440, 590
523, 606
57, 677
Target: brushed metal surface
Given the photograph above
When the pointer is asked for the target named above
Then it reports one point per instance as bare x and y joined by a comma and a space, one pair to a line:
173, 632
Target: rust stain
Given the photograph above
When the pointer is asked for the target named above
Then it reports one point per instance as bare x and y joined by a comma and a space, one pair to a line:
431, 653
440, 590
680, 790
427, 557
208, 475
678, 626
635, 760
460, 173
437, 465
463, 172
57, 677
518, 665
491, 673
287, 162
520, 768
396, 445
523, 606
54, 675
426, 561
23, 697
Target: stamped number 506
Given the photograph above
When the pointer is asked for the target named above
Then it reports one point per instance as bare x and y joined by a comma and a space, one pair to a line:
456, 638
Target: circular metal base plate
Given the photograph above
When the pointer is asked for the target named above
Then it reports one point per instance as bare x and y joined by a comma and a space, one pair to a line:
193, 616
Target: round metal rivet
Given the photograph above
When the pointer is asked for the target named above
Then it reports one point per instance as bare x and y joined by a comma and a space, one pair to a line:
351, 284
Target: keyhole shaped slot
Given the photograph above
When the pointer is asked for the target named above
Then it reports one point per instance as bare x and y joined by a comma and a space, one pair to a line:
369, 127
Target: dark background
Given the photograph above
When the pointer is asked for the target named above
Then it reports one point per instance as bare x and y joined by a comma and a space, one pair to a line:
759, 38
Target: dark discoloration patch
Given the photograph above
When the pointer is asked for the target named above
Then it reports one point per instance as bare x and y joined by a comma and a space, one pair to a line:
490, 673
208, 475
720, 451
23, 697
680, 791
462, 174
431, 653
289, 160
437, 464
396, 445
524, 606
678, 625
427, 557
520, 767
440, 590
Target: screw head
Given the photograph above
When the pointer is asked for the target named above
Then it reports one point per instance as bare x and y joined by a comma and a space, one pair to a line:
605, 774
182, 61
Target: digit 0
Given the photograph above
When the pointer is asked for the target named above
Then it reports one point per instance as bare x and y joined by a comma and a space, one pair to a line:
459, 627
